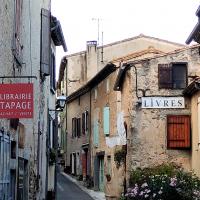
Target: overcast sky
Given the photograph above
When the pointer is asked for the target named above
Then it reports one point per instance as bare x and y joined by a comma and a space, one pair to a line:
171, 20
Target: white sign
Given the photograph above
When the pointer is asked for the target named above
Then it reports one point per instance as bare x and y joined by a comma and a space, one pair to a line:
163, 102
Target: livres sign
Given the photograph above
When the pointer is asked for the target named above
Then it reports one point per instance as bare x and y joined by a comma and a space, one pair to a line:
16, 100
163, 102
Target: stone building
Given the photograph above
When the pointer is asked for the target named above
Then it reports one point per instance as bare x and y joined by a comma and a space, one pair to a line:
27, 55
158, 116
90, 77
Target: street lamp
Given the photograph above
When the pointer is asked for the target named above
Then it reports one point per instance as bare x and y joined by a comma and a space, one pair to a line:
60, 103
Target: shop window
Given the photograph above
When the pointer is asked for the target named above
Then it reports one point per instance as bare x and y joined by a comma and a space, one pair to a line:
172, 76
178, 131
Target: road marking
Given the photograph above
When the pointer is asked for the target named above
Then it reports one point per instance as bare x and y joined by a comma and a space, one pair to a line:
60, 187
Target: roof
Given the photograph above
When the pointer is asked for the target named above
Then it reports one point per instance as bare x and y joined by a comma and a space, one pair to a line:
192, 88
120, 77
127, 65
150, 50
195, 34
129, 39
100, 76
57, 34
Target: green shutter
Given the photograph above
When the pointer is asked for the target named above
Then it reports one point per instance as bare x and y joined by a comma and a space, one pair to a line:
106, 120
96, 133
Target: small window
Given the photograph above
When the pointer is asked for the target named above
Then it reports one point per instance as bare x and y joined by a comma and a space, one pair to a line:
109, 165
95, 94
172, 76
53, 73
107, 85
106, 120
78, 127
178, 131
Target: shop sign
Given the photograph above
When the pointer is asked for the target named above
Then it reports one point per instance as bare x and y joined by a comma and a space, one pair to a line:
16, 100
163, 102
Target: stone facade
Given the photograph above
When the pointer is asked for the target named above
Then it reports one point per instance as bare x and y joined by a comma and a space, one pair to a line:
147, 128
20, 45
106, 106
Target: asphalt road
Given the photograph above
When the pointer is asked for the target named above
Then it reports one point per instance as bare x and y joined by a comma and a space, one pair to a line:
67, 190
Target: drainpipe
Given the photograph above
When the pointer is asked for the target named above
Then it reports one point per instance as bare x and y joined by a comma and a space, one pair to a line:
198, 118
90, 153
136, 81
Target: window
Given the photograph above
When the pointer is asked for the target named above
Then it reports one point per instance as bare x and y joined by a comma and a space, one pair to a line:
95, 93
17, 47
106, 120
109, 165
53, 73
45, 43
107, 85
73, 127
178, 131
96, 133
172, 76
76, 127
85, 122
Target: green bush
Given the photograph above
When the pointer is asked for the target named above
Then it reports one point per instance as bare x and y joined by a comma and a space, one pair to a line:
164, 182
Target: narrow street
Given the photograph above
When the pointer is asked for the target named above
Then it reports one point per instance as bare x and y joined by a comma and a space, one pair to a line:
67, 190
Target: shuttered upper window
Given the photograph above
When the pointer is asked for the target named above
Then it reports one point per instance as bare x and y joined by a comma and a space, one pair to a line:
85, 122
106, 120
178, 131
172, 76
45, 43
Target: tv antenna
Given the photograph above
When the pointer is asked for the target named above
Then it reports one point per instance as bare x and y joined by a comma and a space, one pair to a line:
98, 24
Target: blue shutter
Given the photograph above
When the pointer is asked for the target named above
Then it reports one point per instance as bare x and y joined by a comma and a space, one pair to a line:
96, 133
106, 120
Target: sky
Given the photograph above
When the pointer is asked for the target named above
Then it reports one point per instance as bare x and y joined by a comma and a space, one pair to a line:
85, 20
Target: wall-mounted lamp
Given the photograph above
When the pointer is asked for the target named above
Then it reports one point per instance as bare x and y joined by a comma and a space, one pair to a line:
60, 103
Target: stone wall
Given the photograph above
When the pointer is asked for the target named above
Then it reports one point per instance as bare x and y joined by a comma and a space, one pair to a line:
147, 136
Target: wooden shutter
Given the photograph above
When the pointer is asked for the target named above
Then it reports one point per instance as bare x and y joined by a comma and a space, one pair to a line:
79, 127
178, 131
96, 133
165, 76
83, 123
86, 120
45, 43
106, 120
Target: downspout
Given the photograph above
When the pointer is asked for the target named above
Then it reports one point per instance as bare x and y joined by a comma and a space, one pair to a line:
136, 81
198, 118
90, 131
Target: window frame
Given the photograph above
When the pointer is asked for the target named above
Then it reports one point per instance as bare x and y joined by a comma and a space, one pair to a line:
177, 141
169, 75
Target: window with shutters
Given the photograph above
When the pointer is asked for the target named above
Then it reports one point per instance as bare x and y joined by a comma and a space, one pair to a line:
17, 46
172, 76
45, 43
78, 127
96, 133
85, 122
178, 131
53, 73
73, 127
106, 120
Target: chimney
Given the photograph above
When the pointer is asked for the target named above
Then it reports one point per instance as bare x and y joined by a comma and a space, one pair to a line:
91, 56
